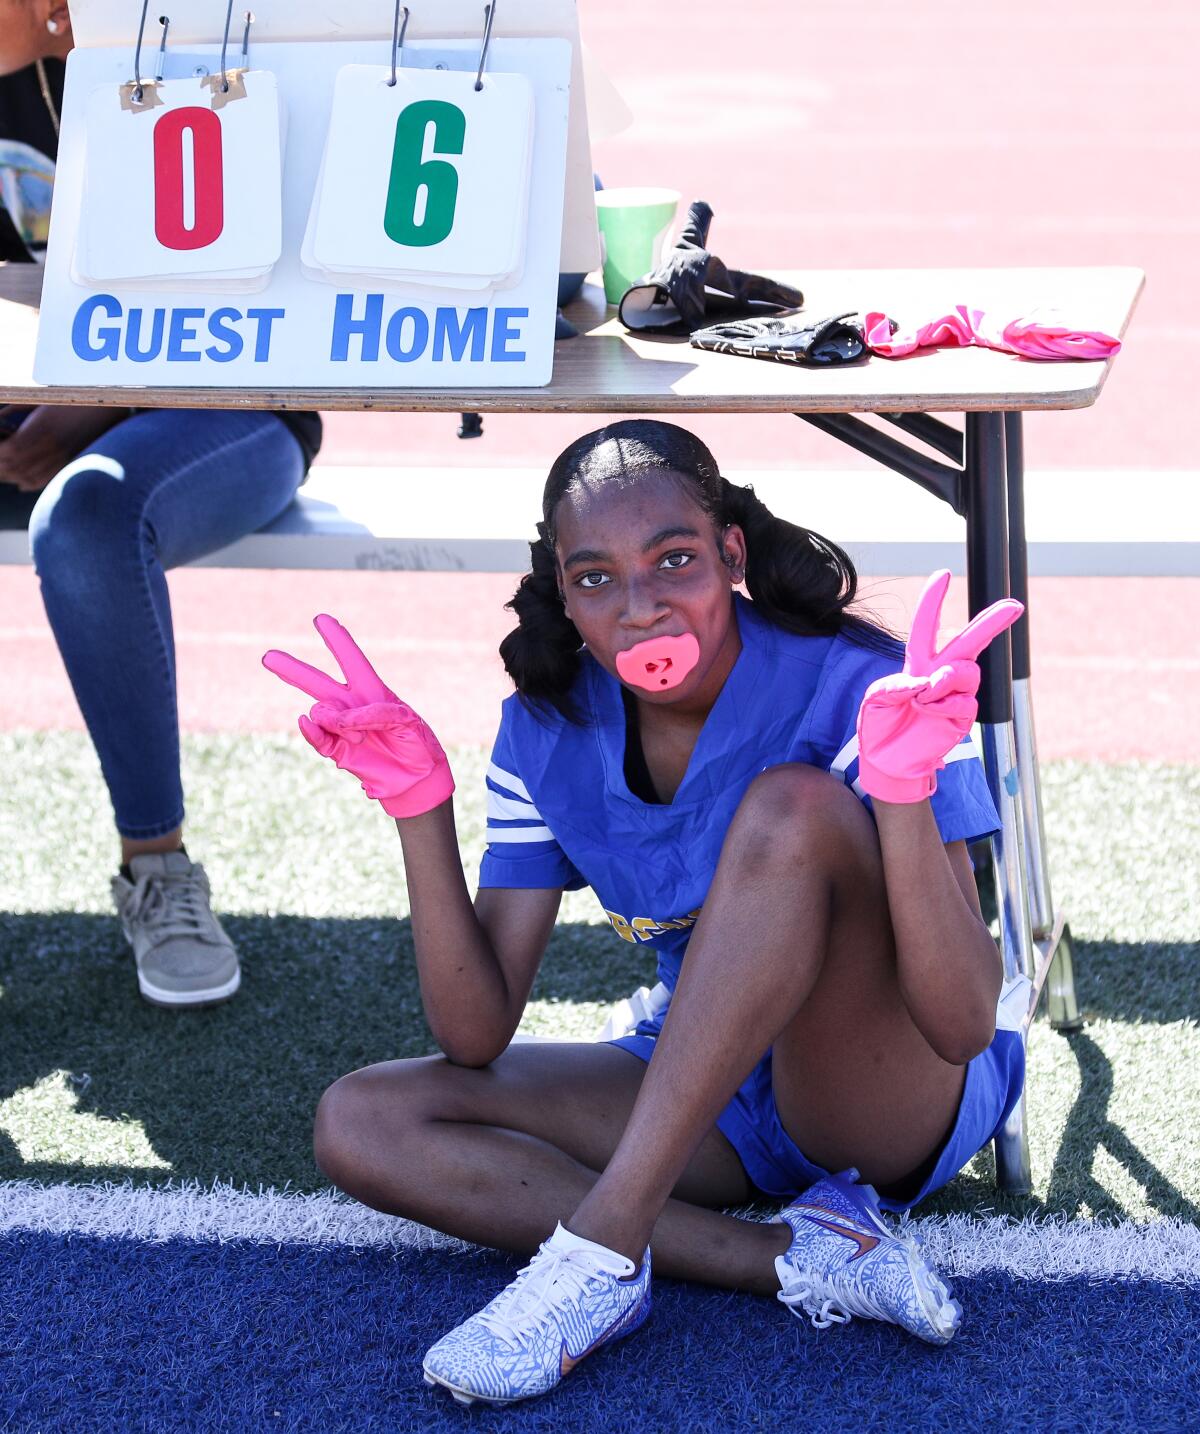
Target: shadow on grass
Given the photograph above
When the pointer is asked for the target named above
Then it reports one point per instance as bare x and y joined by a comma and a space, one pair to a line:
1138, 980
1089, 1130
1073, 1189
228, 1092
107, 1087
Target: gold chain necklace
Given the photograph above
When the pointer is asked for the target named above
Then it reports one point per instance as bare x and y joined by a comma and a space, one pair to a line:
44, 81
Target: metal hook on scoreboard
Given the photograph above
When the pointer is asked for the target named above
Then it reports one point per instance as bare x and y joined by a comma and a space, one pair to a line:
224, 48
225, 45
137, 95
489, 14
165, 22
230, 85
139, 90
398, 30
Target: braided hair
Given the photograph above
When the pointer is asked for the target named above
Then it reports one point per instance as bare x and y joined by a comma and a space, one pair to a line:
797, 579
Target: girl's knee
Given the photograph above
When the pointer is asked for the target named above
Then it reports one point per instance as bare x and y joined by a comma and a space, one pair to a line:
342, 1121
382, 1103
797, 811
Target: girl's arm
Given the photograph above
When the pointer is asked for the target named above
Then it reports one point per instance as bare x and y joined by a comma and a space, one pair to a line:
476, 964
949, 968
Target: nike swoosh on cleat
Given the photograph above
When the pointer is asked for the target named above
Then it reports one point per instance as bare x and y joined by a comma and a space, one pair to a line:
568, 1361
865, 1243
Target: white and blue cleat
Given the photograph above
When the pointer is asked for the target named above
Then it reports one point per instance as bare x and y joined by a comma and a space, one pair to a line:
845, 1261
573, 1298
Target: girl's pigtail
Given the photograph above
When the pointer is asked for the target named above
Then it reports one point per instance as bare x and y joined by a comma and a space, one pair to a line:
797, 578
541, 654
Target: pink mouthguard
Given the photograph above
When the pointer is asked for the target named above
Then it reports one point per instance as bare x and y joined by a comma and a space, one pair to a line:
659, 663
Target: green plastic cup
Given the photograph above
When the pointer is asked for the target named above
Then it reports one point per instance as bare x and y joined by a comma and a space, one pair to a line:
633, 223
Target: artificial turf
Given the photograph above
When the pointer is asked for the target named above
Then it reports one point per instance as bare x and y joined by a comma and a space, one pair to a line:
101, 1335
94, 1084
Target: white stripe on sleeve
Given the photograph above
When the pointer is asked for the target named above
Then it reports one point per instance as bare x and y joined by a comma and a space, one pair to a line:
844, 757
509, 809
509, 780
962, 751
518, 834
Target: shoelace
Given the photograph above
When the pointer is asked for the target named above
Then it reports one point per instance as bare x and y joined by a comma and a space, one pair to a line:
529, 1302
172, 905
826, 1303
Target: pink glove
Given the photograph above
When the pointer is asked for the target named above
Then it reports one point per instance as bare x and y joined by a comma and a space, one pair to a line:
952, 330
911, 719
365, 727
1048, 333
1042, 333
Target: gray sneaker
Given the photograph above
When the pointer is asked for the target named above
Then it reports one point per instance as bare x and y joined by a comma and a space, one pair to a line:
183, 956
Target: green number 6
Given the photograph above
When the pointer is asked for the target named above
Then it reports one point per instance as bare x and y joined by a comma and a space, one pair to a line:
435, 176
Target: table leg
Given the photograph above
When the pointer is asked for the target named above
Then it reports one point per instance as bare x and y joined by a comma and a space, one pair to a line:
1052, 937
988, 490
986, 502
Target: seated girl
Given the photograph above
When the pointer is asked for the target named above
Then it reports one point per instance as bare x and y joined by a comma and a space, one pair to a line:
754, 789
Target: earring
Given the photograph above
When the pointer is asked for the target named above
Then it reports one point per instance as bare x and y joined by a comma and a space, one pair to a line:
53, 26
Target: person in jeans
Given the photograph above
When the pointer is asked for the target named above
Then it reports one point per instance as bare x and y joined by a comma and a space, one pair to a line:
114, 498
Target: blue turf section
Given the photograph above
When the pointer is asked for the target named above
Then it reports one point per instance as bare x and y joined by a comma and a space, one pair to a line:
121, 1335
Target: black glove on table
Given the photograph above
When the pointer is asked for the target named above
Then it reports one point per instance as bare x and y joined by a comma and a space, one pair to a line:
793, 339
692, 287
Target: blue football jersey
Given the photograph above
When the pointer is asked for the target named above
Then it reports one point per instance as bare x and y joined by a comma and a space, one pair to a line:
560, 813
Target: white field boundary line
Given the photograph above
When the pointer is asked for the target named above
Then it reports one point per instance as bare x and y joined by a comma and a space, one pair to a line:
1049, 1249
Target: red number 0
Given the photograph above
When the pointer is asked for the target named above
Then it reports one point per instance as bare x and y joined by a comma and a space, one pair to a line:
208, 179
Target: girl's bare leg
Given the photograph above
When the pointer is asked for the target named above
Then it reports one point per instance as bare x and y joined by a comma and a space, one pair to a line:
793, 951
500, 1155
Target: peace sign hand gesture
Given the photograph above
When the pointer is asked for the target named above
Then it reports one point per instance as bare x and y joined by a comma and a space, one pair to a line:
911, 719
365, 728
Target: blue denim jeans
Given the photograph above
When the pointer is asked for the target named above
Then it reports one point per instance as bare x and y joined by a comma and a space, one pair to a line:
158, 490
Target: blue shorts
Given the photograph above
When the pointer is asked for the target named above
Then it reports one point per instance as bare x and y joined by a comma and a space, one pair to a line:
772, 1160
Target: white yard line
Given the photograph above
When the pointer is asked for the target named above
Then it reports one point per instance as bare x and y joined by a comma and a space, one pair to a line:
1052, 1248
1056, 1248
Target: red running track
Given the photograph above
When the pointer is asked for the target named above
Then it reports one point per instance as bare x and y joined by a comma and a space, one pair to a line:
1116, 670
825, 136
925, 135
